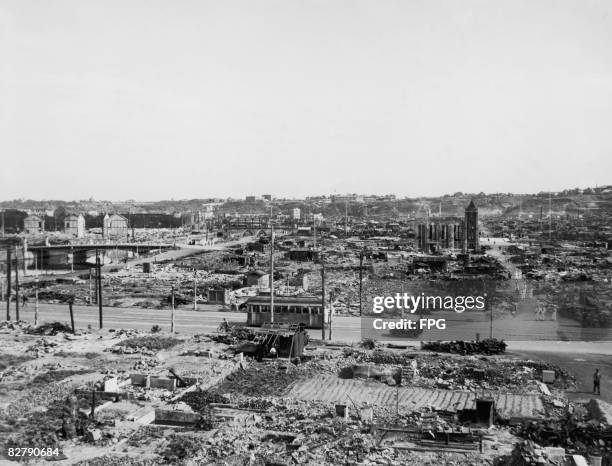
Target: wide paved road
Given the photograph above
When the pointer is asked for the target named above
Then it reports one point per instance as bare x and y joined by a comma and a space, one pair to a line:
185, 321
345, 329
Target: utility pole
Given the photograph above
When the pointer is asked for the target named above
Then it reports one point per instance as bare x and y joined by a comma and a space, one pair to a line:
331, 311
172, 317
345, 218
16, 285
271, 271
99, 279
36, 302
70, 303
195, 290
322, 292
360, 282
8, 283
549, 216
486, 305
90, 289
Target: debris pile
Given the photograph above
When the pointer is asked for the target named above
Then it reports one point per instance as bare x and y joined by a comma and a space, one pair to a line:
46, 329
576, 436
469, 373
150, 342
131, 350
41, 347
487, 346
234, 335
530, 453
15, 325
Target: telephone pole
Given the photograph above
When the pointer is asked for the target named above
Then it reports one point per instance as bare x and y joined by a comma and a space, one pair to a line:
8, 283
484, 287
195, 290
16, 285
271, 272
331, 310
345, 218
36, 302
99, 279
172, 316
360, 282
322, 258
549, 216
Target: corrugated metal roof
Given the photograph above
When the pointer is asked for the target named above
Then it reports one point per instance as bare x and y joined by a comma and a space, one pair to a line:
333, 389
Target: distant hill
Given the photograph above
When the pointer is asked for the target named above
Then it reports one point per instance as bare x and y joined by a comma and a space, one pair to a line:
591, 201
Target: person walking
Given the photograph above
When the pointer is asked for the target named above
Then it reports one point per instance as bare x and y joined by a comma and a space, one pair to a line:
596, 382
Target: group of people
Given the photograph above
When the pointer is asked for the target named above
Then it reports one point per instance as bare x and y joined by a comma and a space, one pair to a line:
540, 313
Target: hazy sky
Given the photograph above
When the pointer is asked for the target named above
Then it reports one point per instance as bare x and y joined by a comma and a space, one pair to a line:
133, 99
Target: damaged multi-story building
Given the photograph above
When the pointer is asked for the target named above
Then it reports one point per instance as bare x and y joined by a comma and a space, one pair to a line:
450, 232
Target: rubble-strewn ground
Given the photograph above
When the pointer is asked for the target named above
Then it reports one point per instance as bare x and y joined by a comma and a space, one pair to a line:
230, 409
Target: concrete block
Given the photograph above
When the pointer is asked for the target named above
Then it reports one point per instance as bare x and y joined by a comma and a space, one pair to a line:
543, 388
164, 383
548, 376
144, 416
138, 379
111, 385
171, 416
94, 435
554, 452
579, 460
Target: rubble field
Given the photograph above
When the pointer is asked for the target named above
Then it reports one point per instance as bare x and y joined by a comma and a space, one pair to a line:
125, 397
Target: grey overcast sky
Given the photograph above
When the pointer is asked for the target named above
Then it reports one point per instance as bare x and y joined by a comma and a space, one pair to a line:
147, 99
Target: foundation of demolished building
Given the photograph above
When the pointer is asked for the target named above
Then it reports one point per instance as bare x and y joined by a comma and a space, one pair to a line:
130, 397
